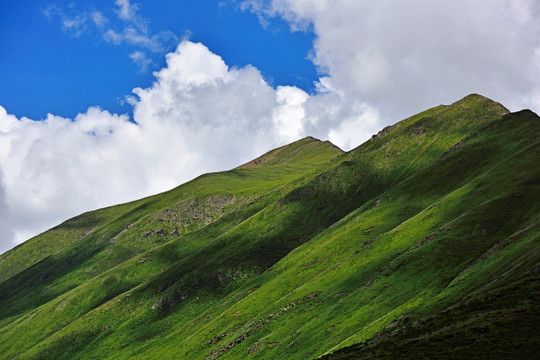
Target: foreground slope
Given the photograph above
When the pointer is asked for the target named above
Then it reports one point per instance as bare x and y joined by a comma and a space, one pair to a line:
93, 243
401, 241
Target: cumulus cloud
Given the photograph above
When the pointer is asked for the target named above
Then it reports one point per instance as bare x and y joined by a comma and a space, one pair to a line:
198, 116
403, 56
289, 114
359, 125
62, 161
379, 61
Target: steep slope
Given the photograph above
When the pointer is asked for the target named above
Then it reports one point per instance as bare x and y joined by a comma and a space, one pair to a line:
488, 305
300, 253
296, 159
103, 239
291, 154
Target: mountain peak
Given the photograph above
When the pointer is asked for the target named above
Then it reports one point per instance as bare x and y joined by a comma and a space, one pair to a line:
299, 150
481, 102
302, 242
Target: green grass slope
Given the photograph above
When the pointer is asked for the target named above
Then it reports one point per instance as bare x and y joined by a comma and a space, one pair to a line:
100, 240
425, 237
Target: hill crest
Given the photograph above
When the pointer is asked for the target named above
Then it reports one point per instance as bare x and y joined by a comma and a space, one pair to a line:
296, 151
406, 237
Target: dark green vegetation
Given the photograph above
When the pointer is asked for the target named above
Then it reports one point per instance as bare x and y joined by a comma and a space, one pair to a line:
421, 243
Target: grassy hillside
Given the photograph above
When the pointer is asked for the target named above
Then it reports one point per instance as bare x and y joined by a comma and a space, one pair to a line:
422, 240
103, 239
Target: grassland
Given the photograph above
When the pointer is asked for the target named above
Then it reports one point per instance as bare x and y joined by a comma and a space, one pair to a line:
421, 242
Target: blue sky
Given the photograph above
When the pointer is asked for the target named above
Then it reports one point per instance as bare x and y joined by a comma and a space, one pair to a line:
51, 68
107, 101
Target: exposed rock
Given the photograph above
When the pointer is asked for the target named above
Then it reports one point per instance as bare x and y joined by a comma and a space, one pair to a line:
194, 212
418, 132
256, 347
384, 132
169, 301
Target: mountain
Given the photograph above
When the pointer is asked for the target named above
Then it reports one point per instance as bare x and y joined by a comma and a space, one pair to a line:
422, 242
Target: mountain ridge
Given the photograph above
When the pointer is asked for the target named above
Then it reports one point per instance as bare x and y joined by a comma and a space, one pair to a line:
307, 252
308, 145
294, 149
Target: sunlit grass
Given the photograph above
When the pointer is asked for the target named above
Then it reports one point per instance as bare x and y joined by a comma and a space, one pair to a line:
300, 254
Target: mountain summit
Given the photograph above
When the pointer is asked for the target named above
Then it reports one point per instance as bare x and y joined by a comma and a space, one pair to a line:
420, 243
299, 151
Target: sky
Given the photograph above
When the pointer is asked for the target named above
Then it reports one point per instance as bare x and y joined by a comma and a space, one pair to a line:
107, 101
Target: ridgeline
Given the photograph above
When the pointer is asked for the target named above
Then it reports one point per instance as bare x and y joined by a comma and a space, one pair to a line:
422, 242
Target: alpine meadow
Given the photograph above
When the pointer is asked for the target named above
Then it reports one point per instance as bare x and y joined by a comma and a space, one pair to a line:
421, 243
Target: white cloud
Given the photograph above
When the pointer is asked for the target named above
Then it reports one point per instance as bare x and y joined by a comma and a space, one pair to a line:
140, 59
113, 37
404, 56
198, 116
380, 61
99, 19
289, 114
74, 24
131, 36
126, 10
359, 126
135, 32
132, 29
219, 116
75, 163
7, 235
